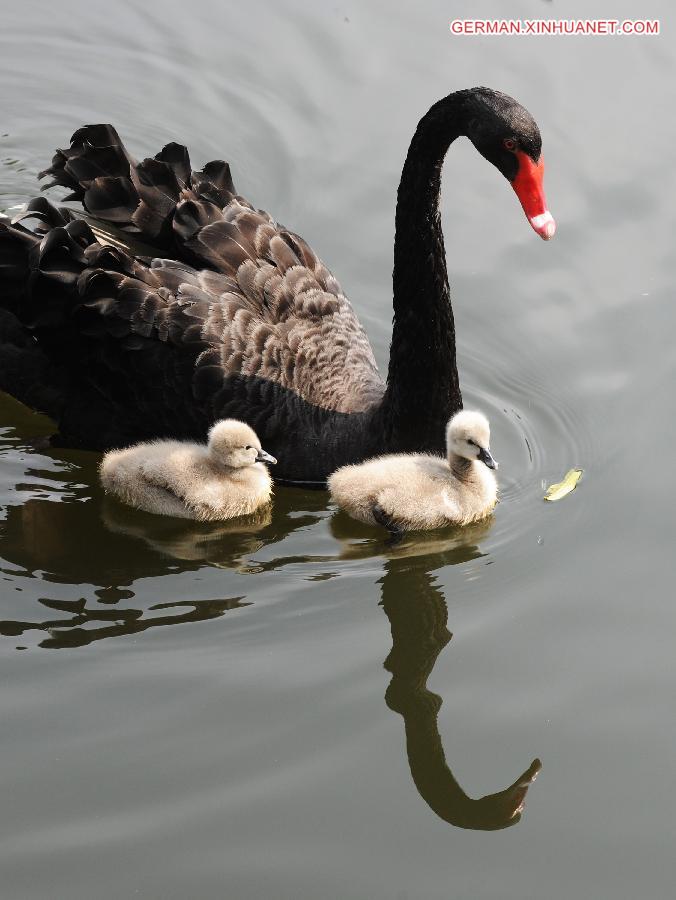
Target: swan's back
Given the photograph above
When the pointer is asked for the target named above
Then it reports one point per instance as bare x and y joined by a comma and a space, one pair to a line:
222, 309
408, 481
414, 469
127, 474
258, 295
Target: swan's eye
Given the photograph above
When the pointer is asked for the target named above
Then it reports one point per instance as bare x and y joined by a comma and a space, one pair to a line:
509, 144
248, 447
471, 442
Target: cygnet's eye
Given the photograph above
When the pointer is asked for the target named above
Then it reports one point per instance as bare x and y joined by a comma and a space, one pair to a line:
248, 447
471, 442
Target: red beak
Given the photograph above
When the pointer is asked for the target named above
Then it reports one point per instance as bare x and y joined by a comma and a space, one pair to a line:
528, 188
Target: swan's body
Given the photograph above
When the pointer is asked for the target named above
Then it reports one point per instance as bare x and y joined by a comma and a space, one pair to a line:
183, 304
413, 492
223, 479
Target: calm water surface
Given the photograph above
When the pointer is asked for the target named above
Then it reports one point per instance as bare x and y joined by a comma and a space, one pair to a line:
192, 711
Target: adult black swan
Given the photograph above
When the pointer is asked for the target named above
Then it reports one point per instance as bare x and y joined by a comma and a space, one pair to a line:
172, 302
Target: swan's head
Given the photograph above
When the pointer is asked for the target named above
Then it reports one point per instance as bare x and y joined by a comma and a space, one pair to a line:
508, 136
469, 435
235, 444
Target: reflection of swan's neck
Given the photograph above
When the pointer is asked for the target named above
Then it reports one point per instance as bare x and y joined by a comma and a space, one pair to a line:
432, 777
418, 617
419, 634
422, 384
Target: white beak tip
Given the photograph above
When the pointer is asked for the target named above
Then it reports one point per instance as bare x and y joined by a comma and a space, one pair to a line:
544, 225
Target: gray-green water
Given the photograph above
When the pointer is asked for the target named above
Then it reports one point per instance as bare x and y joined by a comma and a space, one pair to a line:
191, 712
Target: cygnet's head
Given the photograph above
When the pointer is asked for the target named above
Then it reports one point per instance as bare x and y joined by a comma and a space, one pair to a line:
468, 435
235, 444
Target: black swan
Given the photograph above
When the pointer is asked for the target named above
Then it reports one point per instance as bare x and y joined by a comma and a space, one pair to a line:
172, 302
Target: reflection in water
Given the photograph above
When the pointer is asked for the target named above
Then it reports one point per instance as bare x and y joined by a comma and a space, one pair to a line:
448, 546
94, 539
418, 615
90, 540
65, 543
188, 541
80, 625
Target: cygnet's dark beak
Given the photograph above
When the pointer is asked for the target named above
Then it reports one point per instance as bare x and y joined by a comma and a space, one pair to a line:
262, 456
485, 457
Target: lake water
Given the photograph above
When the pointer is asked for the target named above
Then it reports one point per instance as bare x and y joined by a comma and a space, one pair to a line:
192, 712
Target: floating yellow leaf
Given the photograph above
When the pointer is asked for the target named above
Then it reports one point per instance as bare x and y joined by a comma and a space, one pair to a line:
569, 483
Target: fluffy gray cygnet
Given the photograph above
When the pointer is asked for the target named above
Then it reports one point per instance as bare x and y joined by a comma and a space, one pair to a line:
221, 479
410, 492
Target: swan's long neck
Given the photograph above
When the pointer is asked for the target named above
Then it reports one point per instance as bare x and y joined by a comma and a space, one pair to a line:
422, 383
